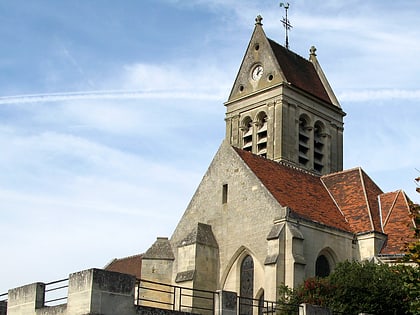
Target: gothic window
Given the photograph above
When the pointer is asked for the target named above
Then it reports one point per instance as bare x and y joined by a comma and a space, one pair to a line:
304, 137
262, 134
319, 136
246, 291
247, 134
322, 267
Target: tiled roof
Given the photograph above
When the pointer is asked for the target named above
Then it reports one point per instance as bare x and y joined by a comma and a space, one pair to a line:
301, 191
396, 220
299, 71
129, 265
356, 196
347, 200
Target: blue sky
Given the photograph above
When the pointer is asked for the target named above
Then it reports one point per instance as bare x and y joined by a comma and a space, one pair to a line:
111, 111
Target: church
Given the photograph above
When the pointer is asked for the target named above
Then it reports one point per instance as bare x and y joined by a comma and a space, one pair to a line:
275, 205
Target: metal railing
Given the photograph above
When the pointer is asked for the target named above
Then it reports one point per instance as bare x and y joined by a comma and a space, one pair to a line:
248, 306
56, 292
4, 296
165, 296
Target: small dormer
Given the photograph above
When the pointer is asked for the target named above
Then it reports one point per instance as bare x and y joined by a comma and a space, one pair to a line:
282, 107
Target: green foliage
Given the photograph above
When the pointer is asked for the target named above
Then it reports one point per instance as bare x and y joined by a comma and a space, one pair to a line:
357, 287
288, 300
412, 250
367, 287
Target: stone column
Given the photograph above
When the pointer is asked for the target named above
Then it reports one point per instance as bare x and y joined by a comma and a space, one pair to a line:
97, 291
227, 303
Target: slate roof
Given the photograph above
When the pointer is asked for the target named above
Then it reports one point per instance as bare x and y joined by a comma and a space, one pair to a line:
299, 71
348, 200
129, 265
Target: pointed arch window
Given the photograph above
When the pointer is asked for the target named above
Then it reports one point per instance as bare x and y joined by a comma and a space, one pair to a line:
304, 137
246, 291
322, 267
319, 144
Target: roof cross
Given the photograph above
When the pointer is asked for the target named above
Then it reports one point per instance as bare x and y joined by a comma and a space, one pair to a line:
286, 22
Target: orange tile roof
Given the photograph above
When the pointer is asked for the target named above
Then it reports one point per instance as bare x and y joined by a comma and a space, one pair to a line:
356, 196
301, 191
299, 71
130, 265
348, 200
397, 221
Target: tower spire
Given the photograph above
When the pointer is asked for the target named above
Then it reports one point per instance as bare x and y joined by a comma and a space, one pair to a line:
286, 23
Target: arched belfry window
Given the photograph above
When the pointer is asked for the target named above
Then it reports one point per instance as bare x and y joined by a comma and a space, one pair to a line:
322, 267
246, 290
262, 134
319, 144
247, 134
304, 137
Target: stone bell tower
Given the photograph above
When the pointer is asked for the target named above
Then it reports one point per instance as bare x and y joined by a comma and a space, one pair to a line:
282, 107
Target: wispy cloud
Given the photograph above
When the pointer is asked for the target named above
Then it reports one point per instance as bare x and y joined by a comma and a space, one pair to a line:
105, 94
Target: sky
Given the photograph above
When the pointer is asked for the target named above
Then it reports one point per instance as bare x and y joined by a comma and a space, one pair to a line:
111, 112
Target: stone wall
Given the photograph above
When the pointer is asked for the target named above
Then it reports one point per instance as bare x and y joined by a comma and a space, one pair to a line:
97, 291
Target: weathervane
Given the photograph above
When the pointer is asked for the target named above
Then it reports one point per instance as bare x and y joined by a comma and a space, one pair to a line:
286, 22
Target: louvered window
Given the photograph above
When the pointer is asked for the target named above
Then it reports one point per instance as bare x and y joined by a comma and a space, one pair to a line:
262, 136
319, 145
304, 137
247, 134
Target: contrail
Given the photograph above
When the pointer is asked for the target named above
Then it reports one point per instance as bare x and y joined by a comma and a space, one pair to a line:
106, 94
379, 94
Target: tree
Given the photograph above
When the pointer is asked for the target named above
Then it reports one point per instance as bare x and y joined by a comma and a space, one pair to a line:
356, 287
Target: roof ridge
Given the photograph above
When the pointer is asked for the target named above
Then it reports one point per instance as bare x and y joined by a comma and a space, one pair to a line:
391, 208
333, 199
362, 180
131, 256
356, 168
295, 167
281, 162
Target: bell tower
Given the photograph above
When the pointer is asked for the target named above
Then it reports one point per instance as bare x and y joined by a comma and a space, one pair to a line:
282, 107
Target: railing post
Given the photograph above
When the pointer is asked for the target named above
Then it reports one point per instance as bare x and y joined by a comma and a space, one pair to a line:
227, 303
179, 302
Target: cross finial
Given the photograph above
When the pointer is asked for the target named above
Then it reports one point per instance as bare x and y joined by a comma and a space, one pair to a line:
258, 20
286, 22
312, 51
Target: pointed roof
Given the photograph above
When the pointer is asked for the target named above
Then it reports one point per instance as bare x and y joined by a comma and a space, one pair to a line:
348, 200
283, 65
356, 196
299, 72
396, 220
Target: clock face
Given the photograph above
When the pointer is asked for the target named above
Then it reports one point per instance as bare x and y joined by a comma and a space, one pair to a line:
257, 72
